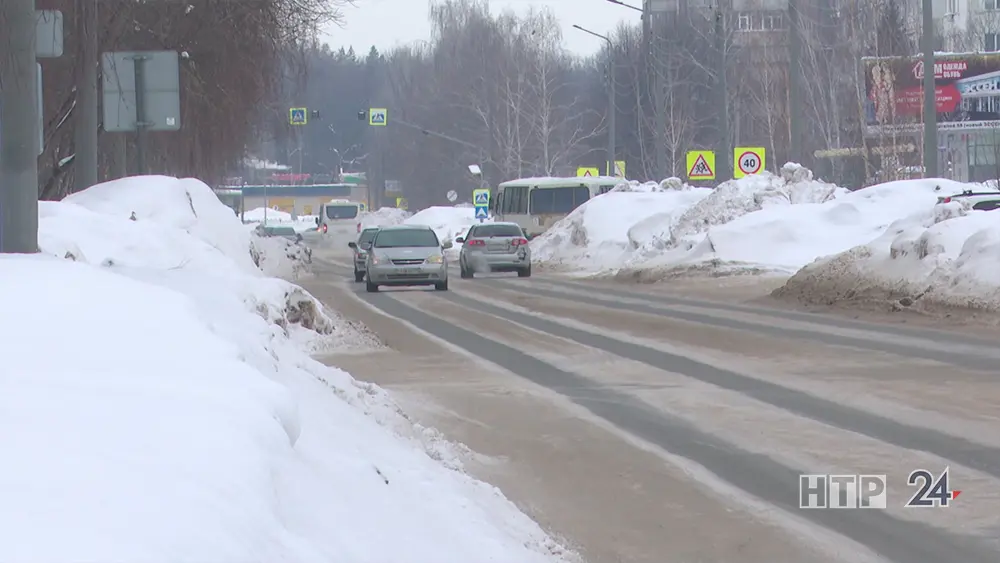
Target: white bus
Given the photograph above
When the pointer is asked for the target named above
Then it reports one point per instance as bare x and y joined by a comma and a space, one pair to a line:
340, 216
537, 203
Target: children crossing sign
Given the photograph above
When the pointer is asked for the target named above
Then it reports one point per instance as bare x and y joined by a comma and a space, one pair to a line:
701, 165
588, 172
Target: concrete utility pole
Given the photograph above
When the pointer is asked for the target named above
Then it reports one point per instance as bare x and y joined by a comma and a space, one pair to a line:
18, 128
796, 115
930, 102
724, 163
612, 102
85, 135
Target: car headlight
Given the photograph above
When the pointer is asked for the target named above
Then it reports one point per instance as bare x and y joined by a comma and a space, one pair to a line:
435, 259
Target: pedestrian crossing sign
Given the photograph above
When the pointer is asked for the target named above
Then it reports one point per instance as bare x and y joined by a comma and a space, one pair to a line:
378, 116
481, 198
298, 116
701, 165
482, 212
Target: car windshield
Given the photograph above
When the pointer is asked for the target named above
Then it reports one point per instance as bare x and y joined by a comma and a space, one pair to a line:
485, 231
282, 231
366, 237
406, 238
341, 211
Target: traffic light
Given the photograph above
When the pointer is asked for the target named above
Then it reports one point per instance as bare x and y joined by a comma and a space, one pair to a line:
362, 115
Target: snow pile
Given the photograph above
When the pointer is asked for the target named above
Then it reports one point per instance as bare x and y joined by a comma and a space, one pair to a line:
157, 407
301, 223
602, 233
272, 215
669, 184
448, 222
384, 217
670, 225
945, 254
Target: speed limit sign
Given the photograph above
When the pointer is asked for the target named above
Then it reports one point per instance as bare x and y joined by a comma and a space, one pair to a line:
747, 161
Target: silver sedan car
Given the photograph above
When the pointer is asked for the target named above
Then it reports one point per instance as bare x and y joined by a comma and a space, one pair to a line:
495, 247
404, 255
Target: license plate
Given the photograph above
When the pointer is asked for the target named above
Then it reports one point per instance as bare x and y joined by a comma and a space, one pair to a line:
409, 271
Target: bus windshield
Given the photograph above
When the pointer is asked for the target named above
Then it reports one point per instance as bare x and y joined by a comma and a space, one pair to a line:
341, 211
557, 200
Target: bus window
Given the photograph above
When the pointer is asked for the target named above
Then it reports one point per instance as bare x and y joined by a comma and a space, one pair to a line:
345, 211
558, 200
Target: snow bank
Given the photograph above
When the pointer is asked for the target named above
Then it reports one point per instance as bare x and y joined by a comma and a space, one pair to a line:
603, 232
659, 227
936, 255
384, 217
301, 223
158, 407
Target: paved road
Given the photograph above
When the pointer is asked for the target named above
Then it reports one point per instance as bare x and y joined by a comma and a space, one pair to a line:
645, 427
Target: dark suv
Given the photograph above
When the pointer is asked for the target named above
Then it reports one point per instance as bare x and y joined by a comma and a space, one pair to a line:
361, 248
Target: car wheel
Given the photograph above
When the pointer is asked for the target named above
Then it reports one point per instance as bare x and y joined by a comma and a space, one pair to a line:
371, 287
441, 286
524, 272
465, 272
359, 276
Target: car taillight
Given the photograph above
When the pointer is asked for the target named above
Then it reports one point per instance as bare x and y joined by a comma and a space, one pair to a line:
946, 200
519, 242
324, 227
476, 243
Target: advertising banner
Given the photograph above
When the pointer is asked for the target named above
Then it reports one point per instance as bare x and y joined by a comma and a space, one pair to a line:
967, 93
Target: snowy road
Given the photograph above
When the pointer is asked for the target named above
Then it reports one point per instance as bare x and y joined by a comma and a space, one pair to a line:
644, 427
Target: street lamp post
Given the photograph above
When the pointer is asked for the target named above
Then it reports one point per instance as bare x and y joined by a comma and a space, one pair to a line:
612, 108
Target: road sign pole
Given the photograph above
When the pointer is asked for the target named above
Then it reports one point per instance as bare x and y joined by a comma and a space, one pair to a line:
18, 128
140, 114
930, 94
85, 134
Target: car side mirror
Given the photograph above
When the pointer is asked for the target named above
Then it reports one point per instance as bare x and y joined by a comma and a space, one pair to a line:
447, 244
460, 240
352, 244
298, 237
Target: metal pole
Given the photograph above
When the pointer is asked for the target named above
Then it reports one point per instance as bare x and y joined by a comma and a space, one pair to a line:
930, 104
724, 163
795, 114
85, 135
140, 115
659, 66
612, 110
18, 128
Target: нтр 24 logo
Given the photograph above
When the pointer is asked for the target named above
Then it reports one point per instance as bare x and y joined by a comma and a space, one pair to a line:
931, 492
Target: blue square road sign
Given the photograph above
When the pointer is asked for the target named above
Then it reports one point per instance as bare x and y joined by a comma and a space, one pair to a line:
482, 212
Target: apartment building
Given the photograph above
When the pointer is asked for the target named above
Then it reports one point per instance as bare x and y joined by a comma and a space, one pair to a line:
969, 25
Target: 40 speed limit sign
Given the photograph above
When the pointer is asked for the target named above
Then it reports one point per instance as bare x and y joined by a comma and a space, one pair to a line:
748, 161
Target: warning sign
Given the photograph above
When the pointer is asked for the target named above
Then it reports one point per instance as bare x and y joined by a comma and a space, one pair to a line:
580, 172
701, 165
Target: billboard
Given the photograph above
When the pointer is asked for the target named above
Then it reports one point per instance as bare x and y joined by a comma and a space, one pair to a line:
967, 93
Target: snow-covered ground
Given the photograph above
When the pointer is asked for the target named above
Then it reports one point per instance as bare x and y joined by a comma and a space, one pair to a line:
886, 240
159, 406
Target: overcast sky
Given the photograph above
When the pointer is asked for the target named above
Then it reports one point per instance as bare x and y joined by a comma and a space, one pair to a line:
388, 23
